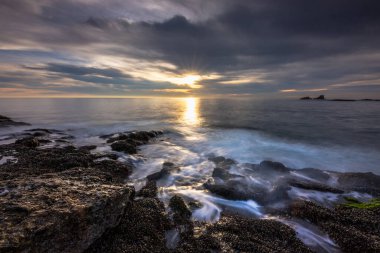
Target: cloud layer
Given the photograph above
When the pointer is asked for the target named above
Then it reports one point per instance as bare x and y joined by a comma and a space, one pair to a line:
130, 47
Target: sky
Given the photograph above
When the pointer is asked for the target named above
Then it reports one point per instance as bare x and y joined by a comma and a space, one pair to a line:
271, 48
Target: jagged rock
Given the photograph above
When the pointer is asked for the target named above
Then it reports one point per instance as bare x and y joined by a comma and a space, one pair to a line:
314, 186
124, 146
181, 212
141, 229
167, 168
129, 142
29, 142
56, 213
353, 229
233, 233
149, 190
361, 182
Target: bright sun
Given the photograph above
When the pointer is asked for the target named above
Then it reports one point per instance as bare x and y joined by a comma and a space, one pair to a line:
189, 79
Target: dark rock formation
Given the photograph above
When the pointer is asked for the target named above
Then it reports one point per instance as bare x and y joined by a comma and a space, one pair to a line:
354, 230
141, 229
64, 199
59, 212
128, 142
181, 212
7, 122
124, 146
305, 98
167, 168
320, 97
233, 233
361, 182
29, 142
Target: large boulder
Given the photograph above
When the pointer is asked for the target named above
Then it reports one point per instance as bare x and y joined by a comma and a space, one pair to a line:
57, 213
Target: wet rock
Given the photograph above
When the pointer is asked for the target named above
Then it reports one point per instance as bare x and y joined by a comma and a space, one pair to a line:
54, 214
361, 182
222, 162
227, 191
128, 142
7, 122
182, 214
315, 174
117, 171
167, 168
149, 190
233, 233
221, 173
88, 147
141, 229
29, 142
354, 230
124, 146
307, 185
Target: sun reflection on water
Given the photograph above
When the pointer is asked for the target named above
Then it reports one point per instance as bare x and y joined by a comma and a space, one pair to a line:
190, 115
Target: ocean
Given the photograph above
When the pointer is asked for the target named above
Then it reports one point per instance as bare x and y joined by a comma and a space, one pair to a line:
326, 135
337, 136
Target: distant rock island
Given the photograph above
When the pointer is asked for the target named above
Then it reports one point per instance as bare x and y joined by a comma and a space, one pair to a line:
322, 97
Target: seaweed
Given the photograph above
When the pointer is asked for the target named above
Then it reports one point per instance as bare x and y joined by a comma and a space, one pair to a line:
352, 202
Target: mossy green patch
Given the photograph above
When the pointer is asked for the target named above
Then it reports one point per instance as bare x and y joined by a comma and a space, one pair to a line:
352, 202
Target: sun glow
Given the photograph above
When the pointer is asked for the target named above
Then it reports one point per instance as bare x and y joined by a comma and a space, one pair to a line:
190, 79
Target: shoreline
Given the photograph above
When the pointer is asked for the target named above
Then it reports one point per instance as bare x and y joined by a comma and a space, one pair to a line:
64, 198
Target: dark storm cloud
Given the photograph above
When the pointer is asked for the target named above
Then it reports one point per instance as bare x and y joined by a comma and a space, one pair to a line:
80, 71
290, 44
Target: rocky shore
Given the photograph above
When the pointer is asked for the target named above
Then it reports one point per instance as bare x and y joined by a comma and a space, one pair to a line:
60, 197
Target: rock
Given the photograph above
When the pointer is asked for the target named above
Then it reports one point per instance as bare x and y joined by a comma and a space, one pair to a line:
305, 98
167, 168
141, 229
269, 169
221, 173
149, 190
227, 191
314, 186
7, 122
222, 162
29, 142
182, 213
361, 182
117, 171
129, 142
88, 147
320, 97
353, 229
234, 233
315, 174
54, 214
124, 146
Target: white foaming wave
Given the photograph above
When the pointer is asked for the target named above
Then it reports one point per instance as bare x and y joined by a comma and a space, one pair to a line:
210, 210
316, 196
248, 146
311, 236
325, 198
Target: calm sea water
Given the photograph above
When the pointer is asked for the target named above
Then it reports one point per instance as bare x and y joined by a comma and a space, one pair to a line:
342, 136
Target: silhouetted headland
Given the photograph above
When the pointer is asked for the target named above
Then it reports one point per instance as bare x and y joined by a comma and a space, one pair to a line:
322, 97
